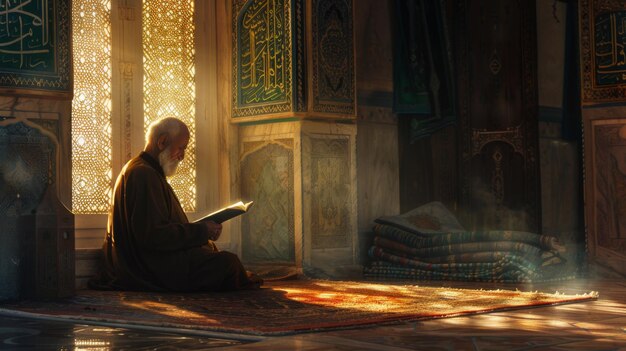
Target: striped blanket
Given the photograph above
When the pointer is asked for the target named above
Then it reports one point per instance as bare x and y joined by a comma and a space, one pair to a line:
412, 246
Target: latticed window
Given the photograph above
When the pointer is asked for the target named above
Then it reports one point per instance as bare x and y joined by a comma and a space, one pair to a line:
91, 107
168, 81
168, 89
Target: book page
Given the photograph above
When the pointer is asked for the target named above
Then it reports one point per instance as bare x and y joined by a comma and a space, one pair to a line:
227, 213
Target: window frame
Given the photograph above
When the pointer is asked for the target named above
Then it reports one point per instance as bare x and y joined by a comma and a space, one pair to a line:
127, 118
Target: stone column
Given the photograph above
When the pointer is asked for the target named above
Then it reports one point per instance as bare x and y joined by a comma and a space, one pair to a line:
293, 99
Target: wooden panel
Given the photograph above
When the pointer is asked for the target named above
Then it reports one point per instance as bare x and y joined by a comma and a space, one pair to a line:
51, 253
428, 167
374, 48
444, 167
496, 63
607, 240
39, 240
415, 160
378, 173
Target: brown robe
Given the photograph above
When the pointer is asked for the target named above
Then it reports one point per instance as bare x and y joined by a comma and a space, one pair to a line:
150, 244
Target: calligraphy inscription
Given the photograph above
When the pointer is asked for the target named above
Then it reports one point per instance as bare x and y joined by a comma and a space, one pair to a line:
25, 35
610, 48
262, 53
34, 44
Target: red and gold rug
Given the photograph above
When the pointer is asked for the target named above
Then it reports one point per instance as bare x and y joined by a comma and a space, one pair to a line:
285, 307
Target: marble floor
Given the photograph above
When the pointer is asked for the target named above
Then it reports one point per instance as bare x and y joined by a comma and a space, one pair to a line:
595, 325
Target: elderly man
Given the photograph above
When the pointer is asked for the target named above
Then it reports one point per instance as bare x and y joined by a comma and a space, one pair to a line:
150, 244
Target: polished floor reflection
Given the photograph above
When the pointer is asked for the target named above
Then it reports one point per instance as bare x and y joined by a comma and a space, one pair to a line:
595, 325
29, 334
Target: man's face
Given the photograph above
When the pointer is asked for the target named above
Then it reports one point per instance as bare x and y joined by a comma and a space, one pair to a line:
178, 145
171, 156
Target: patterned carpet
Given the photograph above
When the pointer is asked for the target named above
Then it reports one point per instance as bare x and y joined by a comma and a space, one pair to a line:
285, 307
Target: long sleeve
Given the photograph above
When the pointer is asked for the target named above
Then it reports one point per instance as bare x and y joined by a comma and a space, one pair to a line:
154, 215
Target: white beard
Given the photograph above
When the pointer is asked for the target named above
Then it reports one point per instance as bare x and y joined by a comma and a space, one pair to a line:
168, 164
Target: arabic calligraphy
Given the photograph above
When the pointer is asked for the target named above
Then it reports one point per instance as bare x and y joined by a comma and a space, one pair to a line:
262, 55
25, 40
610, 48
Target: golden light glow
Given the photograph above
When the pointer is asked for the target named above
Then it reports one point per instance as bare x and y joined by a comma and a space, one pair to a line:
169, 90
169, 74
429, 301
91, 345
449, 293
167, 310
91, 107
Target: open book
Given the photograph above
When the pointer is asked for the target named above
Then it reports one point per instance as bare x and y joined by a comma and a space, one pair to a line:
227, 213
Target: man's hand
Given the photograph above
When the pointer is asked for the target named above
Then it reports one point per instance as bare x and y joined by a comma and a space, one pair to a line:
215, 230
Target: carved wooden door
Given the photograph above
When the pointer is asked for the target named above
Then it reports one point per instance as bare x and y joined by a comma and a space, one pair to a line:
603, 78
497, 88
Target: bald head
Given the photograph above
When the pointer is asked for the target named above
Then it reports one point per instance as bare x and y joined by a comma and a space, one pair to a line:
166, 141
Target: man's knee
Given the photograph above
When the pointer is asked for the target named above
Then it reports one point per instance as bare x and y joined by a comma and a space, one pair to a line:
229, 259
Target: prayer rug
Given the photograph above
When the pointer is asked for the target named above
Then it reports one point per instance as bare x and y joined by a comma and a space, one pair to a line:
284, 307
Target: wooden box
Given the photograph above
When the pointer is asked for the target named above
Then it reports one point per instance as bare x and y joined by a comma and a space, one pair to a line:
47, 251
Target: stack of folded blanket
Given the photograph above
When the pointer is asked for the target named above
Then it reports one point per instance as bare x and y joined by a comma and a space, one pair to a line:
428, 243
